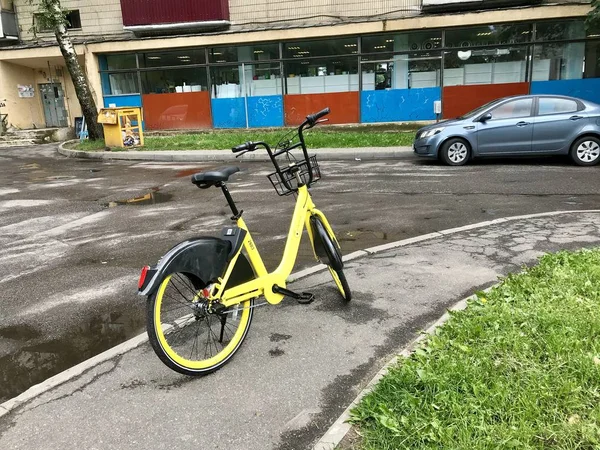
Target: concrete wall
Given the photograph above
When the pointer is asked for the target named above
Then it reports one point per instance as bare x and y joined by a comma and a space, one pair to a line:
29, 112
22, 112
252, 11
98, 18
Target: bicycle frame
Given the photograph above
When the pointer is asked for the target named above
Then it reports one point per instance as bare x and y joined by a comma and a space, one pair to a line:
264, 281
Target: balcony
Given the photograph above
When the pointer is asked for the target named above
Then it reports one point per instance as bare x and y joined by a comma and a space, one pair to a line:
174, 16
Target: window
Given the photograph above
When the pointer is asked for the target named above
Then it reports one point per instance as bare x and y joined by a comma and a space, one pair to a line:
488, 35
558, 61
485, 66
119, 61
121, 84
429, 40
177, 58
252, 80
513, 109
557, 31
72, 17
548, 105
402, 72
333, 47
248, 53
174, 81
317, 76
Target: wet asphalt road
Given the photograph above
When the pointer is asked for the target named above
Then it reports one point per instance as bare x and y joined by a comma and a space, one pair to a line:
70, 251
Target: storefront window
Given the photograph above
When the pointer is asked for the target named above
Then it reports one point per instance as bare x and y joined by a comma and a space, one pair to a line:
402, 72
247, 53
558, 61
382, 43
485, 66
174, 81
250, 80
178, 58
118, 62
322, 75
592, 59
558, 31
120, 83
488, 35
330, 47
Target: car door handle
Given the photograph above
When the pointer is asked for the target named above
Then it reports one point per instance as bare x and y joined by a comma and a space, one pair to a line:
522, 124
576, 117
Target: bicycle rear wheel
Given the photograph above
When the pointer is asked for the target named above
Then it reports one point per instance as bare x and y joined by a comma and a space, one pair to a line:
189, 335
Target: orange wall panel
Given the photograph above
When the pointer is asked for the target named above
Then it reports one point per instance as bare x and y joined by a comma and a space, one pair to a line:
180, 110
343, 105
458, 100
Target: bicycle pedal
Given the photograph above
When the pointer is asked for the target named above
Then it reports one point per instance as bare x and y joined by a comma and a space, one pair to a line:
306, 298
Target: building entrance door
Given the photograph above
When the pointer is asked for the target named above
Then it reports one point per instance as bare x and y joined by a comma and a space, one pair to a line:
53, 99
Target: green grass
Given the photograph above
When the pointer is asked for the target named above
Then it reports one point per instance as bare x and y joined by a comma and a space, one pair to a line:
324, 138
519, 368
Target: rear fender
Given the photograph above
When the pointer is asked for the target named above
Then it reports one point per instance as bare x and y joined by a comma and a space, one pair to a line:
203, 259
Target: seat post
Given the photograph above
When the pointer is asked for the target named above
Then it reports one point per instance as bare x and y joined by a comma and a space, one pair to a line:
236, 214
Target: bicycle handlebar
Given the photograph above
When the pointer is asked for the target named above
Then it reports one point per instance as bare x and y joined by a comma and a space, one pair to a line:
311, 119
245, 146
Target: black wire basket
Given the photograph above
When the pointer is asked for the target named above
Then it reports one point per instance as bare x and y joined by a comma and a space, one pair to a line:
285, 182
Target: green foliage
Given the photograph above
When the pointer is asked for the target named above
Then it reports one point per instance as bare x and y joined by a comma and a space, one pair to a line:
46, 18
593, 19
519, 368
225, 140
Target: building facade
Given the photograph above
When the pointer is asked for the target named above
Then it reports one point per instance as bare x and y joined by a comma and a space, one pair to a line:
268, 63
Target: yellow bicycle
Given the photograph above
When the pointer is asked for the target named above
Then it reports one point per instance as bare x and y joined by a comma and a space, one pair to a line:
201, 293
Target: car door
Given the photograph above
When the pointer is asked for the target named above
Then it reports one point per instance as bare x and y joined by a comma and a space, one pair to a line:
557, 123
509, 130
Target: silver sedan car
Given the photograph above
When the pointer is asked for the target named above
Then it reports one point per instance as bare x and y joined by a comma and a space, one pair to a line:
521, 125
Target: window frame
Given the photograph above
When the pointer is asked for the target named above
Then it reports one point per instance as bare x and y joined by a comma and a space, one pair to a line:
70, 26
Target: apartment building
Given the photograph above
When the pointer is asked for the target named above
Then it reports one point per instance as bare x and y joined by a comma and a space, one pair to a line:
263, 63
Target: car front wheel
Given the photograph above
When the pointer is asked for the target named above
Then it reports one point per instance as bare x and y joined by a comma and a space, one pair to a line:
586, 151
455, 152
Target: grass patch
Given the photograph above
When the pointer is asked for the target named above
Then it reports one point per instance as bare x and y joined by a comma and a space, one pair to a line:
225, 140
519, 368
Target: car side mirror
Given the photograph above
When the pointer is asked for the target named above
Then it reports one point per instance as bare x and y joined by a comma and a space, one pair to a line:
485, 117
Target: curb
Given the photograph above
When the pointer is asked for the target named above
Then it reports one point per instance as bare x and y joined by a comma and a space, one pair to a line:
339, 429
325, 154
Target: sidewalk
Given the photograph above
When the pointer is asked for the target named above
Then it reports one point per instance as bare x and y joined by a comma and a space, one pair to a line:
323, 154
301, 366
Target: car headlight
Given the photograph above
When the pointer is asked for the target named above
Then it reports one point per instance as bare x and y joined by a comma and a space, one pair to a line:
432, 132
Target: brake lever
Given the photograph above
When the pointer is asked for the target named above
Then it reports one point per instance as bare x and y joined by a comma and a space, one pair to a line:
322, 120
241, 153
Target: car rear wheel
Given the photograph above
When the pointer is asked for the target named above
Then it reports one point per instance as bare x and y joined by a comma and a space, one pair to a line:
586, 151
455, 152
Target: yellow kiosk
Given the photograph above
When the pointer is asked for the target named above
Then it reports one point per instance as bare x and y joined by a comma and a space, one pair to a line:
122, 127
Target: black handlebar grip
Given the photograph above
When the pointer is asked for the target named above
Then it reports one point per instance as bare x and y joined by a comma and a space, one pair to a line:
312, 118
242, 147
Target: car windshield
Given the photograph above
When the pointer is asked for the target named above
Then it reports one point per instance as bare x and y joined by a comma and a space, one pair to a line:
477, 111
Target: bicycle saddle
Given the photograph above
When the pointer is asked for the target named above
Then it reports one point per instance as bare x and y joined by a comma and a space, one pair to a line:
207, 179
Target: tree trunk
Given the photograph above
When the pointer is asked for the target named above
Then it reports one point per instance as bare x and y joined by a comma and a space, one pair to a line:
82, 88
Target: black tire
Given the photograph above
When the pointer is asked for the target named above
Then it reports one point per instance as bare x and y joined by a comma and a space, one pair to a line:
585, 151
176, 329
343, 287
455, 152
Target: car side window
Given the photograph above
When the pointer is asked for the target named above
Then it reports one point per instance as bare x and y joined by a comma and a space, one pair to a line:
513, 109
549, 105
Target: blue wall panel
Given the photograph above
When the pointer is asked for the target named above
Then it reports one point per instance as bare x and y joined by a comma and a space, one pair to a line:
586, 89
265, 111
228, 113
398, 105
121, 101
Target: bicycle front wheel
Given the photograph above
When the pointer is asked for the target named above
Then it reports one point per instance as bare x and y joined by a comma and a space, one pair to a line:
188, 334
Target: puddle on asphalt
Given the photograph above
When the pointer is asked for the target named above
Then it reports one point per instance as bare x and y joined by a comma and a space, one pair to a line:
363, 236
32, 166
151, 198
36, 360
